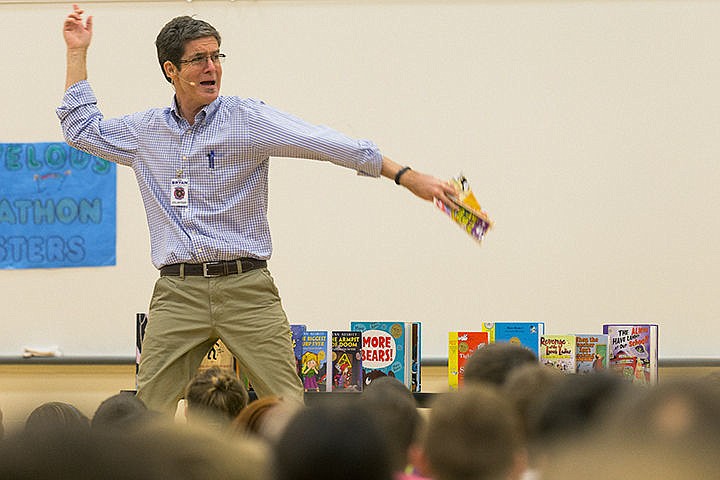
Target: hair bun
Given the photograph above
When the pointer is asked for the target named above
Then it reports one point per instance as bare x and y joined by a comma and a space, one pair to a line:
223, 381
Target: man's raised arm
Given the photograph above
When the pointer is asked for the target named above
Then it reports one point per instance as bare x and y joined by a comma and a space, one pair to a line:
77, 40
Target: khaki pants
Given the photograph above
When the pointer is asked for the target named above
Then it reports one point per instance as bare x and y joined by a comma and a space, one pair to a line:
188, 314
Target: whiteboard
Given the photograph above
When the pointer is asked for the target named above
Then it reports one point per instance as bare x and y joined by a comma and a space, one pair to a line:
589, 130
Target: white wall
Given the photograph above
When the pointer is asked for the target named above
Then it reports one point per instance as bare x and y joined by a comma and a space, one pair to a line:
590, 131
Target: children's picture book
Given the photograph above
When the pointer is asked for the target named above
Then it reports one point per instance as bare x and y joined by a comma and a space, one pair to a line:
558, 352
314, 361
347, 361
218, 356
633, 351
466, 211
140, 326
461, 346
526, 334
591, 353
296, 333
386, 350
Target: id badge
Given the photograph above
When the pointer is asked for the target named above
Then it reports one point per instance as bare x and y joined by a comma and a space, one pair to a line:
179, 192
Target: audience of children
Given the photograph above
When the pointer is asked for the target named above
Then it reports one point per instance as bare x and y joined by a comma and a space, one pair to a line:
513, 419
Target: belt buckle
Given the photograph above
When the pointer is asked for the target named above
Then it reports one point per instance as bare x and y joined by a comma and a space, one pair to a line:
205, 269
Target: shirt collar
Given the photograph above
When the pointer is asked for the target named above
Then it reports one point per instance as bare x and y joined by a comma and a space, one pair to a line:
204, 114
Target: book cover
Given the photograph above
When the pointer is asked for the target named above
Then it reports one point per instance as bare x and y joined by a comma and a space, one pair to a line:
461, 346
467, 212
526, 334
415, 356
314, 360
632, 351
296, 333
140, 326
218, 356
347, 361
591, 352
558, 352
384, 350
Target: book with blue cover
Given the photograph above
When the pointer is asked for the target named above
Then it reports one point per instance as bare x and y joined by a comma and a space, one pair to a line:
296, 332
386, 350
526, 334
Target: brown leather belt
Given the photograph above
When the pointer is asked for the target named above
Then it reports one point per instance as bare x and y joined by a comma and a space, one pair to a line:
213, 269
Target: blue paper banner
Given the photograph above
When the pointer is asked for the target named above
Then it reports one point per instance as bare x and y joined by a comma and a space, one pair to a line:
57, 207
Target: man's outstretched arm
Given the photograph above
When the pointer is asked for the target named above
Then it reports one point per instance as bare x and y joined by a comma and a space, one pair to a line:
424, 186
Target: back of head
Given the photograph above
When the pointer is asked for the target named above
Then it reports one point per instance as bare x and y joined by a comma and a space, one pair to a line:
56, 416
196, 453
250, 420
526, 385
600, 457
493, 362
170, 42
337, 439
574, 407
473, 434
151, 452
119, 411
679, 411
395, 409
215, 394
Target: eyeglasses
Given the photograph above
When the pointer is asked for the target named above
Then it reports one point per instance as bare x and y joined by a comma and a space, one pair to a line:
201, 60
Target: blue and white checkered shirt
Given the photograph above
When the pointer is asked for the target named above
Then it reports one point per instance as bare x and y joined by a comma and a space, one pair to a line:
224, 156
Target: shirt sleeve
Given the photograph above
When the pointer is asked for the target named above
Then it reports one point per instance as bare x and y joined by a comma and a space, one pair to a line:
276, 133
85, 128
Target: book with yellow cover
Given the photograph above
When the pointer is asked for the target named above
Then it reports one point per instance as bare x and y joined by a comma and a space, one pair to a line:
466, 211
461, 346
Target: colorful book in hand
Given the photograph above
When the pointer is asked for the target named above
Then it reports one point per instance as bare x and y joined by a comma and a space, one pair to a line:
466, 211
526, 334
386, 350
346, 361
591, 353
314, 360
633, 351
461, 346
558, 352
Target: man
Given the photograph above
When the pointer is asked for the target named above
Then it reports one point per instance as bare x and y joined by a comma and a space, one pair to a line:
202, 168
